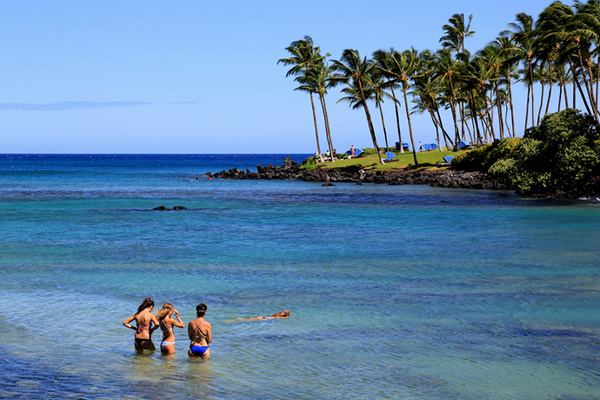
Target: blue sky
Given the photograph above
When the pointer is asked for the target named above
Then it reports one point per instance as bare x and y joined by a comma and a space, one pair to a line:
202, 77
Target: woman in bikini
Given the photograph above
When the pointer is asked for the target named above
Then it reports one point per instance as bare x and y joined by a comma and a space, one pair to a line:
200, 334
143, 331
166, 323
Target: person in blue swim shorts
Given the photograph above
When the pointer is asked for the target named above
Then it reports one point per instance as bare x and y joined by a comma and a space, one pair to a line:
200, 334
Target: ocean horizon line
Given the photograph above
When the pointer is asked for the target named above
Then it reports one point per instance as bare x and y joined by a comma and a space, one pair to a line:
147, 154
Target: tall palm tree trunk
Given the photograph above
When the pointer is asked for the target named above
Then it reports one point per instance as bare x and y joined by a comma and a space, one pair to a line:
506, 124
470, 131
577, 86
312, 103
527, 107
327, 130
437, 130
412, 140
453, 110
541, 104
560, 94
549, 98
369, 121
396, 103
500, 118
461, 112
589, 85
387, 146
446, 136
551, 83
563, 83
532, 94
510, 100
490, 115
474, 116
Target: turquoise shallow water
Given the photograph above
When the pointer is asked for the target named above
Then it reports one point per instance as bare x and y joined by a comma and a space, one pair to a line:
395, 291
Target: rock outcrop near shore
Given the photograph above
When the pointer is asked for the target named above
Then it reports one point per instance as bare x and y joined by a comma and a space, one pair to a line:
291, 170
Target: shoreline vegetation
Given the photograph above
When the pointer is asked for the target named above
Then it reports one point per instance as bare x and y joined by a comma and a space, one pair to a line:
558, 158
468, 96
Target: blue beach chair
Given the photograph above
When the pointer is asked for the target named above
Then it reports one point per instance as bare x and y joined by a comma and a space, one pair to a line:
447, 160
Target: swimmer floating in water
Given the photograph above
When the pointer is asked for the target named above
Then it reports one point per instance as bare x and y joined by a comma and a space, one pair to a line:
282, 314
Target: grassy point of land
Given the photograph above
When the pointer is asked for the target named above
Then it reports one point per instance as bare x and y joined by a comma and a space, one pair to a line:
428, 160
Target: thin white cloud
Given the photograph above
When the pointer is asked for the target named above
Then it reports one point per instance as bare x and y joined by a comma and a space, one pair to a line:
74, 105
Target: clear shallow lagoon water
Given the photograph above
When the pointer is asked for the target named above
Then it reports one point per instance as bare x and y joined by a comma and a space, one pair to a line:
395, 291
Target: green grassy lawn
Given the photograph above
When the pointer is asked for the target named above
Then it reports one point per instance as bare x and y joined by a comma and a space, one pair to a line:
427, 160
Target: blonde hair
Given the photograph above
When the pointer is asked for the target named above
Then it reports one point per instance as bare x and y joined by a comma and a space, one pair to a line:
164, 310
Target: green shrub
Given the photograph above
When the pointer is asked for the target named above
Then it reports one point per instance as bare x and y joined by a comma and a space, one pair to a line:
561, 154
472, 160
368, 151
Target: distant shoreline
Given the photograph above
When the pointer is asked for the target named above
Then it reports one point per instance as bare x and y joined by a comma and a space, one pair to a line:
290, 170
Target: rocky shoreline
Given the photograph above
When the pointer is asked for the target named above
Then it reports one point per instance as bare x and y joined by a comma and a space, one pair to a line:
291, 170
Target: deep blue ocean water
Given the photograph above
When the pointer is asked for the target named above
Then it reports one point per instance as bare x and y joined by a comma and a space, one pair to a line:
395, 291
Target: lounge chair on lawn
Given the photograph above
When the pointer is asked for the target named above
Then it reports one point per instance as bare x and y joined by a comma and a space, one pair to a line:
405, 146
357, 152
389, 156
447, 160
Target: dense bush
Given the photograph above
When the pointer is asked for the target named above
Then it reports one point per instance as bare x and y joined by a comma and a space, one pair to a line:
483, 157
473, 160
562, 154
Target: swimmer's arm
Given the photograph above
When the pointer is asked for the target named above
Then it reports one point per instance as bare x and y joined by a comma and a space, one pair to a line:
190, 331
177, 322
128, 321
156, 323
209, 333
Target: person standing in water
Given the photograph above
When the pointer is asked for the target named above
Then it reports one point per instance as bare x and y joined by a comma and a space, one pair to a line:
143, 331
200, 334
166, 323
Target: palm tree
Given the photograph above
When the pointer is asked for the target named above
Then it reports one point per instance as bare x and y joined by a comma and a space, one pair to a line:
354, 71
303, 56
445, 68
456, 32
383, 60
403, 67
508, 62
318, 80
425, 97
378, 88
493, 58
523, 35
584, 30
426, 93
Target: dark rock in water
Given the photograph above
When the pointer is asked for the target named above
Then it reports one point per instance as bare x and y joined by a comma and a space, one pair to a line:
179, 208
315, 175
328, 184
160, 208
289, 170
